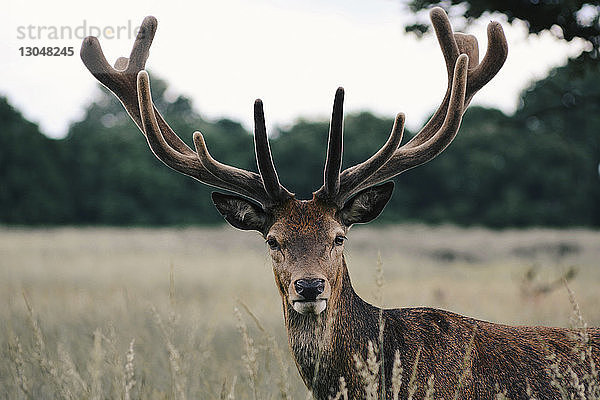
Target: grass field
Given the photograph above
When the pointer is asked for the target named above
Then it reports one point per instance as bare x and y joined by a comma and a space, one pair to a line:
149, 313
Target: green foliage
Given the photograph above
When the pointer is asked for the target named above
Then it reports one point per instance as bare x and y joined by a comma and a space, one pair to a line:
118, 181
538, 167
32, 187
561, 113
575, 18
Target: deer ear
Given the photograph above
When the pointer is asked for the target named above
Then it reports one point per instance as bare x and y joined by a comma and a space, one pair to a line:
240, 213
367, 204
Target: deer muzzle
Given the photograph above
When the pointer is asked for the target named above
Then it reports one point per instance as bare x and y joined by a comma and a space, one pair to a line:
309, 295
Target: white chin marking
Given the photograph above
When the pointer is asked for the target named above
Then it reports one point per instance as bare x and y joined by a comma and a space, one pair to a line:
310, 307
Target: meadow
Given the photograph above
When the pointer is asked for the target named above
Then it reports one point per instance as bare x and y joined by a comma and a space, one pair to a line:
97, 313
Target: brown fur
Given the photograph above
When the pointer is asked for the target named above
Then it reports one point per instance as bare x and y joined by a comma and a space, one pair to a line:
502, 358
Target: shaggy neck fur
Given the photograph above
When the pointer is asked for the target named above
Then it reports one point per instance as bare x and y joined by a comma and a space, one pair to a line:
323, 345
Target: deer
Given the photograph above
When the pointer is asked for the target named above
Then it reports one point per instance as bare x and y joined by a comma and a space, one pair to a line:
329, 327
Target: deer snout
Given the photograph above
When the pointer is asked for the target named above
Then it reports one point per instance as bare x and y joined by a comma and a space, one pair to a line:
309, 295
309, 289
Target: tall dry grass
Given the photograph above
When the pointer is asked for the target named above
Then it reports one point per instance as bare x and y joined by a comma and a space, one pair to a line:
135, 313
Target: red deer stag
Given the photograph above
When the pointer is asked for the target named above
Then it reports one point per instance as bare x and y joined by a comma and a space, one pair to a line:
327, 322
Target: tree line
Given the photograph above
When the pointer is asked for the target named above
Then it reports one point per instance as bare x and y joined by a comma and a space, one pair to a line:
538, 167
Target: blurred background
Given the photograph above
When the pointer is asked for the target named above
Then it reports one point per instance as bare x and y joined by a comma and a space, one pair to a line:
118, 278
528, 151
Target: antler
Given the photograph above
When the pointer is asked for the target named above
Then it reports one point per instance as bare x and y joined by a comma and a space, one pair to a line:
465, 77
130, 83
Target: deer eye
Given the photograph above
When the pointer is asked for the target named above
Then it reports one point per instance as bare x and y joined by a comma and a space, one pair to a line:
272, 242
339, 240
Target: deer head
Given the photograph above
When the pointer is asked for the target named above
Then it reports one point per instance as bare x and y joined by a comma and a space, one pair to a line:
305, 237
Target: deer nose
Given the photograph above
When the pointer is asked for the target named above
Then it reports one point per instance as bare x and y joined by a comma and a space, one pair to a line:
309, 289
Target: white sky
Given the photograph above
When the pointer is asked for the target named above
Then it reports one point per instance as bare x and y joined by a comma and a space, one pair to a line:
292, 54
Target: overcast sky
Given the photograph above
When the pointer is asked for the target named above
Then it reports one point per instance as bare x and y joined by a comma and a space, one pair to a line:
224, 54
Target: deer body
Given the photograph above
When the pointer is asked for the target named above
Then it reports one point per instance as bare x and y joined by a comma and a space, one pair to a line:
498, 358
328, 324
502, 359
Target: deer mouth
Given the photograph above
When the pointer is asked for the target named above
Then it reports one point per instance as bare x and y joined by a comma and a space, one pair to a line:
306, 307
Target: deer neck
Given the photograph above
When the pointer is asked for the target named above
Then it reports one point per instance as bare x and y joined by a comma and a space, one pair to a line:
324, 345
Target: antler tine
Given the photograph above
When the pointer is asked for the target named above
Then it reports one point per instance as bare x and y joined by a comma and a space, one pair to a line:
122, 80
333, 163
351, 178
445, 36
231, 178
141, 47
162, 150
453, 44
409, 157
467, 44
494, 58
198, 165
264, 160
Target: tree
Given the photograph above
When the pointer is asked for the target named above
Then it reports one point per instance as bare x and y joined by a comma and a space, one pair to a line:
33, 187
117, 180
574, 18
562, 114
